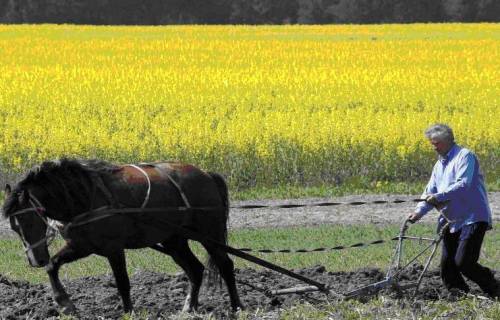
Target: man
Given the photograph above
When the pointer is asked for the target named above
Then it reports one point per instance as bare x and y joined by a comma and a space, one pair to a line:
456, 188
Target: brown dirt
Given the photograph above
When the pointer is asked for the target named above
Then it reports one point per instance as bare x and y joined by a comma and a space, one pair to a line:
162, 295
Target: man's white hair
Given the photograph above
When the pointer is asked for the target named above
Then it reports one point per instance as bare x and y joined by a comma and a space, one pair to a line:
440, 131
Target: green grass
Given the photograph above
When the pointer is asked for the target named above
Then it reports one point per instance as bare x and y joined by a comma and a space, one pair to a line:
13, 262
356, 185
384, 308
353, 186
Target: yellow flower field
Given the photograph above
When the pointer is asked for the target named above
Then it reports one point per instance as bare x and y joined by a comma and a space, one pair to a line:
262, 105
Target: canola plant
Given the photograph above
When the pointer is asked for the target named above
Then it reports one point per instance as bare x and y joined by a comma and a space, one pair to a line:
262, 105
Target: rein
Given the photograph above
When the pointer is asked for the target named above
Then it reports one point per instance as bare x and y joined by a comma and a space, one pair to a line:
107, 212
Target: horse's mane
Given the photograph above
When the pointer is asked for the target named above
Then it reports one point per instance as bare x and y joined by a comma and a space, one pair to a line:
71, 181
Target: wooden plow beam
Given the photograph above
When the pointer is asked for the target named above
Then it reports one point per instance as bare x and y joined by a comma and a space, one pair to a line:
391, 279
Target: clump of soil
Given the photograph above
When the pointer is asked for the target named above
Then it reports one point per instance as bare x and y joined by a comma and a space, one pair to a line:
161, 295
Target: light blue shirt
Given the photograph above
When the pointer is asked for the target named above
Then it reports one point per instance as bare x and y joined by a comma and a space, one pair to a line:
457, 178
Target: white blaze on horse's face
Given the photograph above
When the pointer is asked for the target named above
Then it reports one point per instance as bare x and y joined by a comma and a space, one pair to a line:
32, 231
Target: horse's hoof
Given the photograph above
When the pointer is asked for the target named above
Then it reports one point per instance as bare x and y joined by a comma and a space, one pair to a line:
69, 310
238, 308
190, 306
189, 309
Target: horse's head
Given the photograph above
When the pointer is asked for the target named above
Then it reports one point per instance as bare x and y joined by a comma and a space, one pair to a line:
27, 219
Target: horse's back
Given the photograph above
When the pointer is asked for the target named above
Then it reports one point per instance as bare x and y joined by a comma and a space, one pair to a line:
198, 186
166, 185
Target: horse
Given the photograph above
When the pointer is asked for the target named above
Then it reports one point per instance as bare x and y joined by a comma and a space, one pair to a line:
103, 208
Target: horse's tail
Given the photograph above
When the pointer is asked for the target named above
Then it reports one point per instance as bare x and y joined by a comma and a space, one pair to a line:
223, 191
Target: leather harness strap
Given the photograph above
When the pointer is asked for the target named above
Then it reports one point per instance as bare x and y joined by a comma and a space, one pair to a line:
146, 198
162, 172
169, 177
183, 196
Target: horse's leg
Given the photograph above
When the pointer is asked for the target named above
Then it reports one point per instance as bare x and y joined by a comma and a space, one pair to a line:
179, 250
65, 255
226, 269
119, 267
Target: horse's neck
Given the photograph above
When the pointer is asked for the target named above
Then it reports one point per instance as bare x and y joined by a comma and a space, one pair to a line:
100, 195
59, 209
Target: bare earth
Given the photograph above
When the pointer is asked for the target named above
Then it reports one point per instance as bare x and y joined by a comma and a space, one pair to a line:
380, 214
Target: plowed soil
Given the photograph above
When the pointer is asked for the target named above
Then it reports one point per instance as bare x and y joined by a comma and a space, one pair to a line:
162, 295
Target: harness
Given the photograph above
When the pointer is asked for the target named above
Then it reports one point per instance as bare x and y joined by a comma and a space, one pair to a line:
54, 227
146, 198
169, 177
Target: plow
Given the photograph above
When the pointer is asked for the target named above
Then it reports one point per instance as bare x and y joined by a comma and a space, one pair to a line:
391, 279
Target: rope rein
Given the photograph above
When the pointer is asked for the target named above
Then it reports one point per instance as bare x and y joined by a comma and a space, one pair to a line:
107, 212
336, 248
324, 204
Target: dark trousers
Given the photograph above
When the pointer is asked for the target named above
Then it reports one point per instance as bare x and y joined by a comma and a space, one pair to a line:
460, 254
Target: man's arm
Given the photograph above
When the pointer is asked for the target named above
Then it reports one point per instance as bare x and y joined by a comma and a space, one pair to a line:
424, 207
463, 181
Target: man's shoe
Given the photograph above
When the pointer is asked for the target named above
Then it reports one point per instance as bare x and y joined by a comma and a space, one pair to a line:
494, 292
457, 293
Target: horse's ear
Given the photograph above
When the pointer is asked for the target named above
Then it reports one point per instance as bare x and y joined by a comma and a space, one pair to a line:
8, 190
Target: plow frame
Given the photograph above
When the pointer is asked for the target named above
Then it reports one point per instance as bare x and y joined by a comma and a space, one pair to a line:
394, 269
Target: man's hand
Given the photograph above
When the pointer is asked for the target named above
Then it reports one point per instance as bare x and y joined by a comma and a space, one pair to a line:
414, 217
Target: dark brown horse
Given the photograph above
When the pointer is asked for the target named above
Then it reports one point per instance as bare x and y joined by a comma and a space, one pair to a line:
86, 199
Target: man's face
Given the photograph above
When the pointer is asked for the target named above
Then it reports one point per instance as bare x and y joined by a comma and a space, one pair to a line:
440, 146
